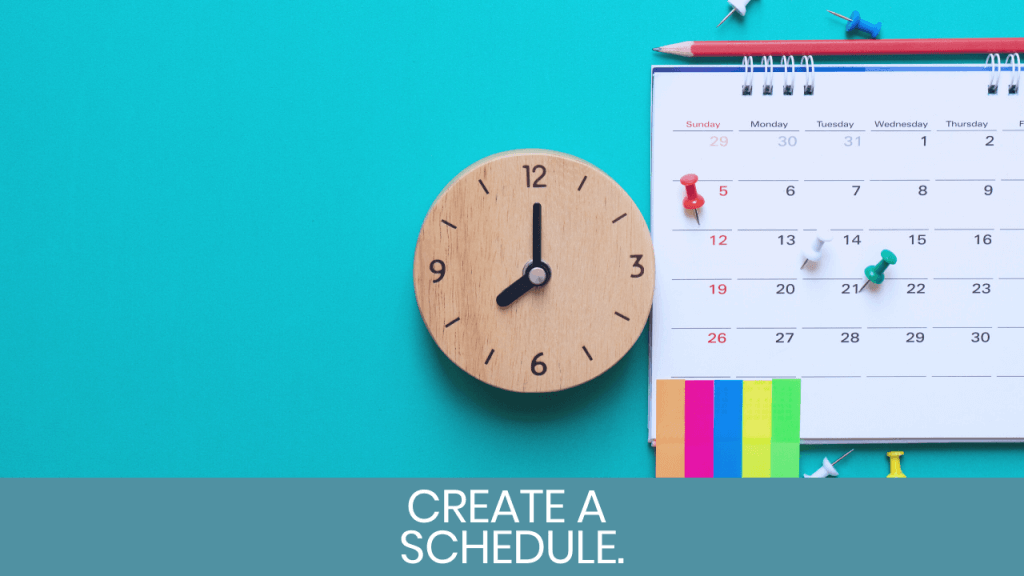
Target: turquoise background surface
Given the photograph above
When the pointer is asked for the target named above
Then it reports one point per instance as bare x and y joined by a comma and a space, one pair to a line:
208, 212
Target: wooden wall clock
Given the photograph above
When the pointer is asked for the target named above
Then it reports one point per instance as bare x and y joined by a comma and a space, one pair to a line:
534, 271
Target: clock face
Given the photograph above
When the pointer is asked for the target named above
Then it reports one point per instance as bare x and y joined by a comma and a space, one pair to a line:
511, 321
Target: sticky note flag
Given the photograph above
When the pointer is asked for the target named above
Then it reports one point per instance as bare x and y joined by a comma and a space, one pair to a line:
757, 428
728, 428
785, 446
700, 429
671, 429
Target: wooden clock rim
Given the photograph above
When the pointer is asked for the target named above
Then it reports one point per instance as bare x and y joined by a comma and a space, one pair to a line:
519, 152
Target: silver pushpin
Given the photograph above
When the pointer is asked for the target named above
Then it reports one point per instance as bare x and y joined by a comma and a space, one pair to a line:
814, 253
737, 6
827, 468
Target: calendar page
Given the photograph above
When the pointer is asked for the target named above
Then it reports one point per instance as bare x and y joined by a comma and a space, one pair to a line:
921, 161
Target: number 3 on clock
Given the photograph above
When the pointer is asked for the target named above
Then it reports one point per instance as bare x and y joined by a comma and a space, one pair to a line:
637, 265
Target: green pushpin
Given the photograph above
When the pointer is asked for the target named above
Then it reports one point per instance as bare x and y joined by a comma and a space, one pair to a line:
876, 273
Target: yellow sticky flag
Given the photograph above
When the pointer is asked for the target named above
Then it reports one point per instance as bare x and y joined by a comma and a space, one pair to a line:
757, 428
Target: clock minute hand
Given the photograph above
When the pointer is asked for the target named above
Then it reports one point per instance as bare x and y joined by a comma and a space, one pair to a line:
517, 289
536, 234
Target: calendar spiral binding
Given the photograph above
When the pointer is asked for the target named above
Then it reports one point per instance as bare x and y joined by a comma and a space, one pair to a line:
1012, 66
769, 75
993, 63
995, 66
748, 75
788, 64
788, 75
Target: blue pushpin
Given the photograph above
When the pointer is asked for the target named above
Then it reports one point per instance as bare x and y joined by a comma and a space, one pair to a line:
856, 23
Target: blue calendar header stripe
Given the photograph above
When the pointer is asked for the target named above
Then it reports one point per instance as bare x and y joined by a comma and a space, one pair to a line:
962, 68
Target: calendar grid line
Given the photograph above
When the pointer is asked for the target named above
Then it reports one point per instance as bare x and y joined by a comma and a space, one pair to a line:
851, 328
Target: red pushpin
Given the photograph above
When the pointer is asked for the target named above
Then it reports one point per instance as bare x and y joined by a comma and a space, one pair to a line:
693, 201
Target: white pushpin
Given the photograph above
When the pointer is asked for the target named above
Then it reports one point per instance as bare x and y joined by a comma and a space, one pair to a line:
737, 6
827, 468
814, 253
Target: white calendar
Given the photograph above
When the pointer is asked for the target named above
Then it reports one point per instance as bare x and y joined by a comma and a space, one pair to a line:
926, 161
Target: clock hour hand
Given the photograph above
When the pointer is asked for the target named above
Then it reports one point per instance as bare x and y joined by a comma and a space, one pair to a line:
517, 289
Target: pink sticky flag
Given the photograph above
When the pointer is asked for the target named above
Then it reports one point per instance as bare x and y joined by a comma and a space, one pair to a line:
700, 429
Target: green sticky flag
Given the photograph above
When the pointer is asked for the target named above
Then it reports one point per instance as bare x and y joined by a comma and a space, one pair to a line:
785, 445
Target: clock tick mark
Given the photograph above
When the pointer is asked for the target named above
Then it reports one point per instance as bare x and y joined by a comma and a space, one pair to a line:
489, 356
486, 191
617, 314
589, 357
450, 224
457, 319
619, 218
581, 184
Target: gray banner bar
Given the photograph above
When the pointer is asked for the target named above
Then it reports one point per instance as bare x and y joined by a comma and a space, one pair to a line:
356, 526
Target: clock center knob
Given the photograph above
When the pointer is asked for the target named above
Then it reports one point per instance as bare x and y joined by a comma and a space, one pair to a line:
538, 276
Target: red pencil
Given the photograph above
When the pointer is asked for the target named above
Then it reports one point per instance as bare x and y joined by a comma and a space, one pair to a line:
844, 47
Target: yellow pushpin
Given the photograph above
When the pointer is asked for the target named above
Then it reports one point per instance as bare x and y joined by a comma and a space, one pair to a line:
894, 464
